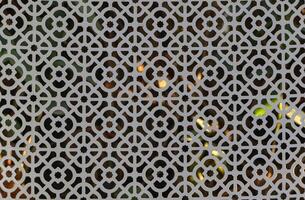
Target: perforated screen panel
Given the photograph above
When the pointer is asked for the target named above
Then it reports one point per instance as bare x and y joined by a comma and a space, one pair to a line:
152, 99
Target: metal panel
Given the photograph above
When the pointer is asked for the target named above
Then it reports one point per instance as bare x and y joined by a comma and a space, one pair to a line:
152, 99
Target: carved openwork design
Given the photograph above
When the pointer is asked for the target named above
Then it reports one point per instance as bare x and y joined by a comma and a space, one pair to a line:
152, 99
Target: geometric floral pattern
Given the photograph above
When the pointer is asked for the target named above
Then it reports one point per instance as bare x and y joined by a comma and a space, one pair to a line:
152, 99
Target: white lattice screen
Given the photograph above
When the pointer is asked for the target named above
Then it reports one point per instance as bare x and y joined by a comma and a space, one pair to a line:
152, 99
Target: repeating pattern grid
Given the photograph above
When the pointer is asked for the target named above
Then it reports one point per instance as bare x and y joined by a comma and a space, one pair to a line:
152, 99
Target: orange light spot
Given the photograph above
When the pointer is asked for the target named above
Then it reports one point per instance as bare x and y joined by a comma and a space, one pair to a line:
140, 68
162, 83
